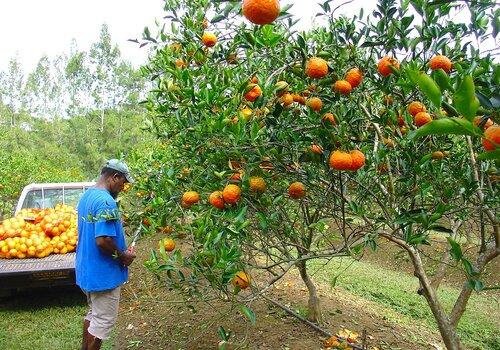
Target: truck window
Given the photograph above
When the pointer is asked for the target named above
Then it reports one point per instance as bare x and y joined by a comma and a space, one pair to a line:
49, 198
33, 199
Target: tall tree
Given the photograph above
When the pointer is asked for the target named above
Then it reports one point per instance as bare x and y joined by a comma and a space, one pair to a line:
11, 88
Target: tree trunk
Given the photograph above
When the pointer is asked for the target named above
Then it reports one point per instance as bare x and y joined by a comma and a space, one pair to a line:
447, 330
314, 307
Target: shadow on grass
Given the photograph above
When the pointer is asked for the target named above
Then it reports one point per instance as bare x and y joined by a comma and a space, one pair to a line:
42, 298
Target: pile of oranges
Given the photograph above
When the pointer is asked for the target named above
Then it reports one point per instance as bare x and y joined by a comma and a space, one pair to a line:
36, 233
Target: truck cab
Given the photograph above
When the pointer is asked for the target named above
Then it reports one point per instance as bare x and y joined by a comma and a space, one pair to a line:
55, 269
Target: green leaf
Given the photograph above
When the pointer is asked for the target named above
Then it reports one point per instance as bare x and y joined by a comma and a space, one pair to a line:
490, 155
465, 100
477, 285
217, 18
442, 79
222, 333
248, 313
468, 267
455, 251
446, 126
430, 89
301, 42
439, 228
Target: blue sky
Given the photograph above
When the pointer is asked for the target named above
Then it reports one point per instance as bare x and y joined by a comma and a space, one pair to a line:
32, 28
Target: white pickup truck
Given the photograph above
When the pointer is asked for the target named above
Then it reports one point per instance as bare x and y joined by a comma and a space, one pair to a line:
55, 269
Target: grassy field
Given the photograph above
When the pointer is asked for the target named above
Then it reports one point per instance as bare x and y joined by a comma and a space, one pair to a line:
395, 293
43, 319
52, 319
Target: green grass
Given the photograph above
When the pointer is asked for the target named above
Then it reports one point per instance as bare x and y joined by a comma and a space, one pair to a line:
395, 290
43, 319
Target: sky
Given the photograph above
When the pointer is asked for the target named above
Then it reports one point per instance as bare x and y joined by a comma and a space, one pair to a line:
30, 29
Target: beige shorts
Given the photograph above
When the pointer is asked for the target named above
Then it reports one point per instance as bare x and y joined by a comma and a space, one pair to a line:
103, 311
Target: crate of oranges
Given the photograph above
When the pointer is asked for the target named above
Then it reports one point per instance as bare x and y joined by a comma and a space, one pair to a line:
37, 233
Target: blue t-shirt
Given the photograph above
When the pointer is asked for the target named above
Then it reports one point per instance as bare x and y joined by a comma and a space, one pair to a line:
98, 216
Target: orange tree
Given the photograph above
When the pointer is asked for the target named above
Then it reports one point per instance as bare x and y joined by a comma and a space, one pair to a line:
279, 147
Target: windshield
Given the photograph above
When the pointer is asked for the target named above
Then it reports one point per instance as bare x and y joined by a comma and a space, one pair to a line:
49, 198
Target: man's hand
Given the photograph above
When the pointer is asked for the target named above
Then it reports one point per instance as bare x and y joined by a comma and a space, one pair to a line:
126, 257
107, 245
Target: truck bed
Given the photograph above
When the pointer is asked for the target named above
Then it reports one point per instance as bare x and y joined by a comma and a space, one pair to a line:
55, 269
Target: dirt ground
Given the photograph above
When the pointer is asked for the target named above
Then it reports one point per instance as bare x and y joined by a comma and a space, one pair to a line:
152, 317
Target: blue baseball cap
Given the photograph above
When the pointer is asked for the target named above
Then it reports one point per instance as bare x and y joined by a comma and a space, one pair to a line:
121, 167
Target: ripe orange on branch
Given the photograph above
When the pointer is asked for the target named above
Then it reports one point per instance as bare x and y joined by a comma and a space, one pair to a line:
253, 93
487, 123
209, 39
385, 64
358, 159
492, 138
315, 103
316, 68
340, 160
440, 62
316, 149
241, 279
416, 107
329, 118
261, 11
354, 77
299, 99
342, 87
422, 118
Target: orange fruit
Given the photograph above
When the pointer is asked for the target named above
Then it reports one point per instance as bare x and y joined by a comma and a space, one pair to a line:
179, 63
416, 107
286, 99
216, 199
422, 118
297, 190
342, 87
316, 149
315, 103
486, 125
254, 92
257, 184
384, 65
254, 80
189, 198
241, 279
340, 160
492, 138
354, 77
231, 194
236, 176
437, 155
358, 159
209, 39
299, 99
401, 120
169, 244
316, 68
246, 113
261, 11
440, 61
166, 229
328, 118
388, 100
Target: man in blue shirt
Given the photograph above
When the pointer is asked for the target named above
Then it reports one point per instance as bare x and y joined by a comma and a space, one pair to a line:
102, 258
